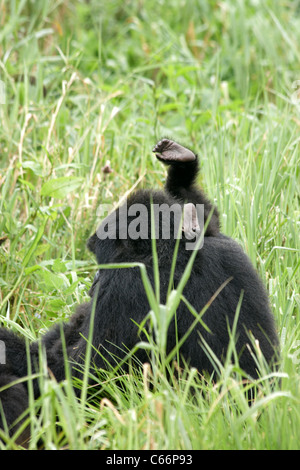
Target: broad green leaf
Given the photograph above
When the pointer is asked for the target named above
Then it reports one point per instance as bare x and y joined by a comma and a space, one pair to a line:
54, 281
60, 187
34, 244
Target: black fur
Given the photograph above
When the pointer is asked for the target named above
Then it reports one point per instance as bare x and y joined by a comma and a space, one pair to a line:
120, 299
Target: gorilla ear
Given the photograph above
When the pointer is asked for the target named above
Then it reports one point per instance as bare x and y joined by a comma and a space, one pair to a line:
190, 224
91, 243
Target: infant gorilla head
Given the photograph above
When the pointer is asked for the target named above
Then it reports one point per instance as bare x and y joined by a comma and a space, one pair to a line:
222, 280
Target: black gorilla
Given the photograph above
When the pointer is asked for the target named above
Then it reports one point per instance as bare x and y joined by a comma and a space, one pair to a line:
120, 302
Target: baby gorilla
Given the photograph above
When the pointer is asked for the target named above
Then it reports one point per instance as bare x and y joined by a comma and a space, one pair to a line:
120, 302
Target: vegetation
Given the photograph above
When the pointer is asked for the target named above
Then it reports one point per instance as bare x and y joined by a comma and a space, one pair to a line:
86, 82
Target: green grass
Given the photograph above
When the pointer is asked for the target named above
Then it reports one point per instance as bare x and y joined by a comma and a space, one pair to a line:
87, 82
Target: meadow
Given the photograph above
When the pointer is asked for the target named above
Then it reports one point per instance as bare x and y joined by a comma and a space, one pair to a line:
84, 83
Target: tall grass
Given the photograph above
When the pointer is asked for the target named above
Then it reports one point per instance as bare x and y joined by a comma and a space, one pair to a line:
97, 81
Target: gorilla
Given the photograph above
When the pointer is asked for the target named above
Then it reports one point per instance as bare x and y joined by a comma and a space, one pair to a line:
222, 283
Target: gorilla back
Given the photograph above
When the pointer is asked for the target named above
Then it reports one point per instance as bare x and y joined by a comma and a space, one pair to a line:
222, 280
